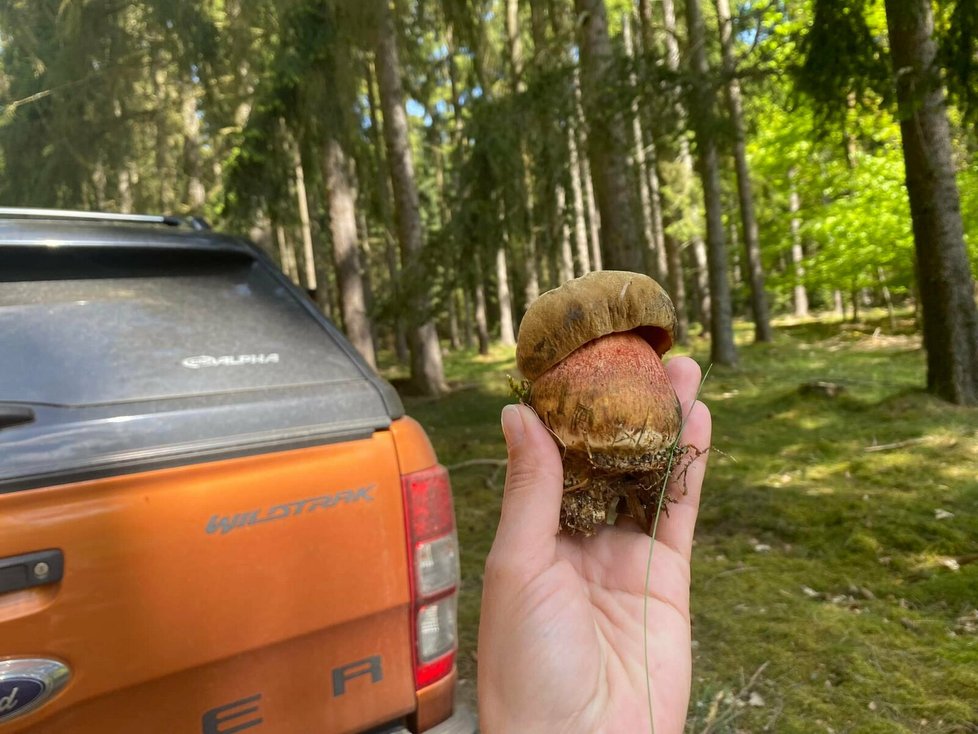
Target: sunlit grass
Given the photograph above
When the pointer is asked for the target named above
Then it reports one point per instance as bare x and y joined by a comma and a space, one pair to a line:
836, 562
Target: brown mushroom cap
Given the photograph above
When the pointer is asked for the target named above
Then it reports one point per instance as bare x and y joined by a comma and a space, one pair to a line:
583, 309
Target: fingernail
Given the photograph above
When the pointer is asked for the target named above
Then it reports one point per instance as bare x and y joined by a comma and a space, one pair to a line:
512, 426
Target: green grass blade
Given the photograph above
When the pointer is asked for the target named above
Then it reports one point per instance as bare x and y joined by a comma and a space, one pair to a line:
655, 527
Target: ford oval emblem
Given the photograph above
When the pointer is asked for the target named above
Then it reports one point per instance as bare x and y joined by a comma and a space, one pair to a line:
26, 683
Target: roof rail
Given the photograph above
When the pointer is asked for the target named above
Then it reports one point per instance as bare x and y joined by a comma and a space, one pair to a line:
197, 223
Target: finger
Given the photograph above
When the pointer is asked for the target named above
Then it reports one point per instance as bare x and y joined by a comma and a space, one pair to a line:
534, 486
685, 375
676, 527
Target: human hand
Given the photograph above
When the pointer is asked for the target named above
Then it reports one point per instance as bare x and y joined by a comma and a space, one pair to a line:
564, 618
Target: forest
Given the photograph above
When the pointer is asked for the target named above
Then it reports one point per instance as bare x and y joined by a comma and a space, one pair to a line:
424, 169
801, 176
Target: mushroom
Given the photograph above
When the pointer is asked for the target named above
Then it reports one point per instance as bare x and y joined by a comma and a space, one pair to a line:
591, 352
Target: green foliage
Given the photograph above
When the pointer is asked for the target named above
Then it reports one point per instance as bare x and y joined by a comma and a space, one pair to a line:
298, 72
843, 61
139, 105
854, 214
959, 56
95, 97
863, 226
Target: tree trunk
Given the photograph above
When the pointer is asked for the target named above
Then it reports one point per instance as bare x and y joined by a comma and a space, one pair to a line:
286, 254
514, 46
947, 291
584, 172
305, 225
196, 195
566, 266
665, 260
582, 256
340, 190
593, 217
650, 176
365, 257
427, 374
645, 23
736, 276
677, 289
887, 299
752, 246
97, 185
164, 172
606, 140
651, 206
673, 254
454, 333
126, 176
701, 289
577, 197
503, 292
553, 268
722, 349
797, 253
506, 334
474, 299
481, 318
468, 323
701, 283
458, 142
383, 193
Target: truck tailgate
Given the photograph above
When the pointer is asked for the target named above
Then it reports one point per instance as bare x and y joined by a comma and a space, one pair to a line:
267, 593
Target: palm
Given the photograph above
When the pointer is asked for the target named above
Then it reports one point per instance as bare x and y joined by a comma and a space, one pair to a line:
567, 622
591, 599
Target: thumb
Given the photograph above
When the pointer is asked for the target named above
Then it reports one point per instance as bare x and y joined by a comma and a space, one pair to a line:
534, 484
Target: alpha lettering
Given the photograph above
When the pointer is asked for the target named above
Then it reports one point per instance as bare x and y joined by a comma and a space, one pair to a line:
229, 360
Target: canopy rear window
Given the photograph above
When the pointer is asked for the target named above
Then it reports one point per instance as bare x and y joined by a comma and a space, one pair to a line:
88, 326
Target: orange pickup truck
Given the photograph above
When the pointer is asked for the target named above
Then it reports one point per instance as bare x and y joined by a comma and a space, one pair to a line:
214, 516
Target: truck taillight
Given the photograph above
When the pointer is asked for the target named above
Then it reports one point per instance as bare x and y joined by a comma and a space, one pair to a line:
433, 547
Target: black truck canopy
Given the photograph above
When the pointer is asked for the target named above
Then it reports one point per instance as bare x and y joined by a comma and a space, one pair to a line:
134, 345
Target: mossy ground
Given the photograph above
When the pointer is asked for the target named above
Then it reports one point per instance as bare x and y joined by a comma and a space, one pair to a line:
835, 573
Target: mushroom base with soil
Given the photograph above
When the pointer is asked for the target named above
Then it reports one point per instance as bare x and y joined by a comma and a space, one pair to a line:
590, 494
